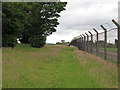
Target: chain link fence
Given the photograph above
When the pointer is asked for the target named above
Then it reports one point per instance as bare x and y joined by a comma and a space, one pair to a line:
103, 43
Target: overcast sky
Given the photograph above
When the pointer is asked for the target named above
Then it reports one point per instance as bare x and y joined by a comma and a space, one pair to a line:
81, 16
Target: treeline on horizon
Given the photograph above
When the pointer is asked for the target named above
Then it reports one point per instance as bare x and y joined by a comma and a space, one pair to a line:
30, 22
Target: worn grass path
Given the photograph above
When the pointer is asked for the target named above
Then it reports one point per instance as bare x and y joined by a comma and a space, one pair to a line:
56, 66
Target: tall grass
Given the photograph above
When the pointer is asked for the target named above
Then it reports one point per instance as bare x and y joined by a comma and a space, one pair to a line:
55, 66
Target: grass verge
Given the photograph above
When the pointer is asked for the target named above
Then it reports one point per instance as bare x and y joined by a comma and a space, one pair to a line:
56, 66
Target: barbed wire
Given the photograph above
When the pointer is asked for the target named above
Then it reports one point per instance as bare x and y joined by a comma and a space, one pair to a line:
109, 25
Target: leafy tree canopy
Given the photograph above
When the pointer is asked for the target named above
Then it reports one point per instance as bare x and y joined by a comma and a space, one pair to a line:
31, 22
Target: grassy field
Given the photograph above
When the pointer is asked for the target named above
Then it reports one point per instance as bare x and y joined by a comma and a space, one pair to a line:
110, 49
56, 66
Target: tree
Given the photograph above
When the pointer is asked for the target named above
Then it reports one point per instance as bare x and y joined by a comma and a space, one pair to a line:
37, 41
13, 20
62, 41
31, 22
44, 20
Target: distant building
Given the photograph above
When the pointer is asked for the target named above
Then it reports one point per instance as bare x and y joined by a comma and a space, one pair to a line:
63, 41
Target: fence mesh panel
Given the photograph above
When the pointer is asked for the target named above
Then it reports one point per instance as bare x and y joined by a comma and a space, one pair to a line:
94, 43
112, 44
103, 44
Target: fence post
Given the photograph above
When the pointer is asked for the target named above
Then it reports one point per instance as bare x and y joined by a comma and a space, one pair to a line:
80, 39
96, 41
78, 42
118, 44
81, 42
87, 42
91, 40
84, 47
105, 41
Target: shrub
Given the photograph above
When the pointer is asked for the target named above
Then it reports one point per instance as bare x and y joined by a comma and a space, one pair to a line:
9, 41
37, 41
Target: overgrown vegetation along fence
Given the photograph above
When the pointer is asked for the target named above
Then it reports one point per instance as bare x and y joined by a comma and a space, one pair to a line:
105, 44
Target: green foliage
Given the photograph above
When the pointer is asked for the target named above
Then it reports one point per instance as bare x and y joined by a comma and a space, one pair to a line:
30, 21
60, 43
14, 18
44, 20
37, 41
9, 41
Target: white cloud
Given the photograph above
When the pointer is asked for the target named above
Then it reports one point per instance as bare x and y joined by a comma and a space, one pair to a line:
81, 16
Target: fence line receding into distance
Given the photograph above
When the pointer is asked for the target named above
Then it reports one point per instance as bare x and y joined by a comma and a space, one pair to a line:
105, 44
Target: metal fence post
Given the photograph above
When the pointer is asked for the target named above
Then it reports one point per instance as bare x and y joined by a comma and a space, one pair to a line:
81, 42
105, 41
96, 41
87, 42
91, 43
118, 44
84, 46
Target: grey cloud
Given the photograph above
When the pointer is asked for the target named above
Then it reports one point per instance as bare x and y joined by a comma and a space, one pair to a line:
76, 20
83, 15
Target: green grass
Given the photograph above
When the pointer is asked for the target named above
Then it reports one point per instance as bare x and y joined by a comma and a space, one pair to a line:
111, 49
55, 66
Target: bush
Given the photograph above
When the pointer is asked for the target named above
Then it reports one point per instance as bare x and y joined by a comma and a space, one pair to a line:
9, 41
37, 41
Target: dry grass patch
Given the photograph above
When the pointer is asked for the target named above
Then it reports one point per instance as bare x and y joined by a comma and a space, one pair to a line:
103, 71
